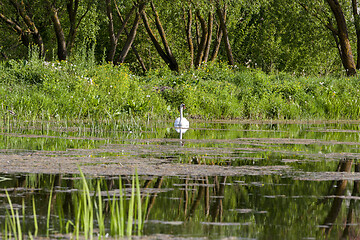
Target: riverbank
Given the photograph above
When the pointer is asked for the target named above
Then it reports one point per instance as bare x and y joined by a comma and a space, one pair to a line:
41, 90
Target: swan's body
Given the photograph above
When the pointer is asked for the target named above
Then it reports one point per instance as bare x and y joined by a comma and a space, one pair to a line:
181, 122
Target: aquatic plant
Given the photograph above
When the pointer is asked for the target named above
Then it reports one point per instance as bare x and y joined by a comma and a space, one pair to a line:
88, 215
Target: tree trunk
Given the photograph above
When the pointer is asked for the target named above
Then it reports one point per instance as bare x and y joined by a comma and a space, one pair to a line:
153, 38
357, 28
30, 25
72, 12
225, 34
346, 55
163, 39
61, 42
217, 44
204, 37
170, 61
188, 24
24, 35
218, 41
209, 37
115, 38
131, 37
74, 24
72, 9
138, 57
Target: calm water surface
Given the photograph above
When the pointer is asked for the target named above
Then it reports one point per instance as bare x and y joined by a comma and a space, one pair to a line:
312, 193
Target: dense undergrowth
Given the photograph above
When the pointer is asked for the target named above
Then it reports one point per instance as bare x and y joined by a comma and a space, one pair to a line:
34, 89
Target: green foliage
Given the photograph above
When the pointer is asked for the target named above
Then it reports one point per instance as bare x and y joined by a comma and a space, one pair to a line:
271, 35
66, 91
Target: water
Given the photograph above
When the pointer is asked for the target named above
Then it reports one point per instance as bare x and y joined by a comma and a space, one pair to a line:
252, 180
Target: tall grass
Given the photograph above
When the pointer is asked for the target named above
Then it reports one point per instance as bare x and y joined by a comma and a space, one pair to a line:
35, 89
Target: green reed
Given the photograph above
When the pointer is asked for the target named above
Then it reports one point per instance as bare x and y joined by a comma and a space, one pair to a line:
89, 214
12, 222
135, 210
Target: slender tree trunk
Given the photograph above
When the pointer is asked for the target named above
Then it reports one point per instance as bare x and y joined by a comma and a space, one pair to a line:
217, 44
225, 34
357, 28
163, 39
61, 42
72, 9
131, 37
153, 38
188, 24
204, 37
338, 47
169, 60
197, 33
138, 57
347, 55
209, 37
24, 35
218, 40
115, 38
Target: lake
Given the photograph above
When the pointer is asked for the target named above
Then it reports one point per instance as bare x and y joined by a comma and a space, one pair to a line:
219, 179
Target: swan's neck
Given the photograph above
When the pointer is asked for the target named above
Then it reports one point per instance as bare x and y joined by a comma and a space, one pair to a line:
181, 113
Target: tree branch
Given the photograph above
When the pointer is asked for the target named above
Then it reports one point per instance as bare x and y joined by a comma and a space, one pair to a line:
328, 24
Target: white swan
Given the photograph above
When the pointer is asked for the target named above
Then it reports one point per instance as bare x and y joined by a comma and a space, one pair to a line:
181, 122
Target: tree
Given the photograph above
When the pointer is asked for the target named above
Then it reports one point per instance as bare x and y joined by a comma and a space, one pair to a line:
26, 27
188, 23
343, 38
131, 36
64, 45
279, 35
204, 38
224, 30
166, 53
114, 38
340, 32
356, 16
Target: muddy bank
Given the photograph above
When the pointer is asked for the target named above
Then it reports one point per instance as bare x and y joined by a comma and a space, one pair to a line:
207, 150
159, 157
50, 163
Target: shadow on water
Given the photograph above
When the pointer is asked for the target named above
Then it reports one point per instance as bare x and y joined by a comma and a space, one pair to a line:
250, 180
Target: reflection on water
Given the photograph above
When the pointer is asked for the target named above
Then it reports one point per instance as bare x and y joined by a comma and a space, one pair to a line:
181, 131
315, 196
248, 206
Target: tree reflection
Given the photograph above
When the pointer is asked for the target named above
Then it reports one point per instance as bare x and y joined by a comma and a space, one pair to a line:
345, 165
252, 206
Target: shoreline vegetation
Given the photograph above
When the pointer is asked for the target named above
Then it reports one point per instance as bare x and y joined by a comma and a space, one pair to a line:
81, 90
